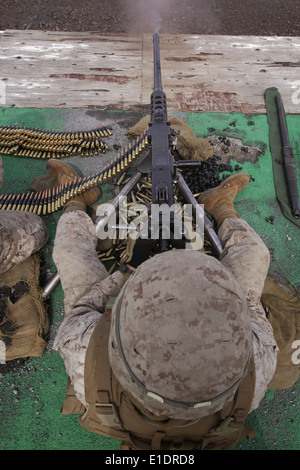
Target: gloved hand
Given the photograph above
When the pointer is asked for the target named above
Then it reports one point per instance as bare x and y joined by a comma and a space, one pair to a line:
138, 251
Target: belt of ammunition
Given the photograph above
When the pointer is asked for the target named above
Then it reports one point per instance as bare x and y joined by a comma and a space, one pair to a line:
38, 143
49, 201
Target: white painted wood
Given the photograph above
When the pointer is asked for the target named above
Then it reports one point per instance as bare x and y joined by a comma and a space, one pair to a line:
42, 69
225, 73
70, 70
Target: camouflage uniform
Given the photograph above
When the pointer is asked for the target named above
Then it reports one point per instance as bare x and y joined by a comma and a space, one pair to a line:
21, 234
88, 287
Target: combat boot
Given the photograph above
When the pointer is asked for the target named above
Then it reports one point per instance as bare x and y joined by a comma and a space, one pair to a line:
218, 201
65, 174
60, 173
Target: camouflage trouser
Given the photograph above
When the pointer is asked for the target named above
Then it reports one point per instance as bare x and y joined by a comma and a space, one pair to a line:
21, 234
75, 256
245, 255
87, 288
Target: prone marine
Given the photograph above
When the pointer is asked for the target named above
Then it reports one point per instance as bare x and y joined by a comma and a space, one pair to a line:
170, 352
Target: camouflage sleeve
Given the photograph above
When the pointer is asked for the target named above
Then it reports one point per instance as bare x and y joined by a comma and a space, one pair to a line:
76, 329
21, 234
248, 258
265, 351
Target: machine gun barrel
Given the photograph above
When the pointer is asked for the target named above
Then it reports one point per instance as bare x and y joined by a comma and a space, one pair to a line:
157, 67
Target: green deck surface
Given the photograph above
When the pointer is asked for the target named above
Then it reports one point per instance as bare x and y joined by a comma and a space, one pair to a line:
31, 396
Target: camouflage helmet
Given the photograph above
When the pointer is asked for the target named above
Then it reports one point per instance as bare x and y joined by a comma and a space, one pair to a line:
180, 338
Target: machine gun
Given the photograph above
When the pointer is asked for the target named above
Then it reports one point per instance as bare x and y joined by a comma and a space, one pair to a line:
161, 139
159, 164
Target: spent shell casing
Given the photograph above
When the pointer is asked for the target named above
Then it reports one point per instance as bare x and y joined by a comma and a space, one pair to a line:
112, 268
121, 179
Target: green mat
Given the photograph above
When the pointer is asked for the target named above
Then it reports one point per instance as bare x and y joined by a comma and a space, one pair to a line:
31, 395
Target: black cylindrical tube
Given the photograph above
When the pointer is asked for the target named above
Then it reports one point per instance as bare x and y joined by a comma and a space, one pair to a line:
288, 160
157, 68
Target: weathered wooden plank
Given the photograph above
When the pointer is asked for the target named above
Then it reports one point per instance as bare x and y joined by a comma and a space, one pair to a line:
224, 73
53, 69
200, 73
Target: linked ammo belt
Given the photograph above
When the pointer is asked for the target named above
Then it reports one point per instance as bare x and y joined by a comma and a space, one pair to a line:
34, 143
